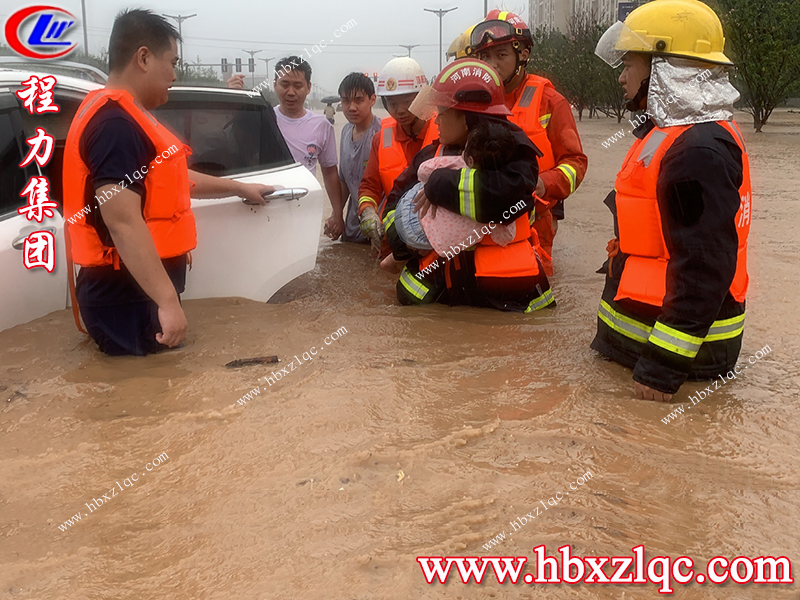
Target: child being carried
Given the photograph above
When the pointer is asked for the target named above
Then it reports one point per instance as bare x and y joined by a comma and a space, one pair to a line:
487, 147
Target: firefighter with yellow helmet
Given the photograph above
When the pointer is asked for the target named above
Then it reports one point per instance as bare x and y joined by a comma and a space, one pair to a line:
673, 305
458, 48
402, 135
504, 41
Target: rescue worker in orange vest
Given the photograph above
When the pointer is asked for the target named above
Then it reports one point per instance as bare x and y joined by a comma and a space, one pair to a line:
468, 94
504, 41
133, 242
676, 279
402, 135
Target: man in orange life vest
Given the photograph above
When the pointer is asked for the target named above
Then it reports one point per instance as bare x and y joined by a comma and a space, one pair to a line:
402, 135
133, 244
504, 41
674, 300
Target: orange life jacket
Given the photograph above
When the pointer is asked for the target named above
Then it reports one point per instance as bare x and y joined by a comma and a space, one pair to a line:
641, 236
517, 259
526, 116
391, 158
167, 208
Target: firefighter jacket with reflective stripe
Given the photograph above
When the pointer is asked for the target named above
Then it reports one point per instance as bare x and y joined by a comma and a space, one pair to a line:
673, 304
390, 154
546, 117
167, 207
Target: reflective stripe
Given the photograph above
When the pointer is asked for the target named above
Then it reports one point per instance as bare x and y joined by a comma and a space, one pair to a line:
387, 137
527, 96
738, 133
88, 106
538, 303
724, 329
622, 324
414, 286
674, 340
388, 220
572, 175
468, 63
544, 120
649, 149
366, 199
502, 16
466, 197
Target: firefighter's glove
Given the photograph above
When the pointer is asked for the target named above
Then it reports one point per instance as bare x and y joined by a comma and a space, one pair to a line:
371, 226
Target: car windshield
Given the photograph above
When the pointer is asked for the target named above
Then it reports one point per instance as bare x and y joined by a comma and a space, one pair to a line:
227, 137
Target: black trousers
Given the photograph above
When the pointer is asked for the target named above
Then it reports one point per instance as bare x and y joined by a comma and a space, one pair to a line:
117, 313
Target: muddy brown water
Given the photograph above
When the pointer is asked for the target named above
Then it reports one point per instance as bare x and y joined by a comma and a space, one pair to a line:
421, 431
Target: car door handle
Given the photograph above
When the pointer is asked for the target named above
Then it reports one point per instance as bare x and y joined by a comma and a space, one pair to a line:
287, 194
19, 243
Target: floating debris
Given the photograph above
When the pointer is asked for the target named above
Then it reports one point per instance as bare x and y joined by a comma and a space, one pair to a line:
257, 360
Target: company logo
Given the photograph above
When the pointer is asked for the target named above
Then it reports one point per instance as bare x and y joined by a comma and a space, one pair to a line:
38, 32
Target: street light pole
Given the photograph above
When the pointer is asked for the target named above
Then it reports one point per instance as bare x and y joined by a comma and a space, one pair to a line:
85, 35
408, 47
180, 19
252, 54
266, 66
440, 13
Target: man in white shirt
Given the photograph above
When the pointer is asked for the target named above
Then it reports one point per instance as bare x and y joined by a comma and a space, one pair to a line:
309, 136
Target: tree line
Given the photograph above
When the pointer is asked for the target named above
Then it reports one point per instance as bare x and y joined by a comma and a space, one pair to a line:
762, 39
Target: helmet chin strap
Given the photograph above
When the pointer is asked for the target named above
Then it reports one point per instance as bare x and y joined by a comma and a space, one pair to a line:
634, 103
521, 64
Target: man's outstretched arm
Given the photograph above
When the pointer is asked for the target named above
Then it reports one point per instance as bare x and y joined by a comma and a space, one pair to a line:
208, 186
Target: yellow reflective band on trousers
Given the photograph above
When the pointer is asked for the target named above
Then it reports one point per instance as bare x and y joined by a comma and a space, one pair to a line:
413, 285
544, 300
666, 337
388, 220
466, 193
571, 175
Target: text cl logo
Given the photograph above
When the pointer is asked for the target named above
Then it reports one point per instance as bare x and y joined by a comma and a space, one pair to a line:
45, 39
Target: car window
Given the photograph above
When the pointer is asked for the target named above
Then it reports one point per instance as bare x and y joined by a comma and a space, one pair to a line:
227, 137
12, 178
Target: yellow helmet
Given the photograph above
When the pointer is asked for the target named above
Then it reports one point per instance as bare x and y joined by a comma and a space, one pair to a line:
458, 49
685, 28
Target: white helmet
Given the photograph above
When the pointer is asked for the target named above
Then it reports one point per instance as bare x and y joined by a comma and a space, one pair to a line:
401, 76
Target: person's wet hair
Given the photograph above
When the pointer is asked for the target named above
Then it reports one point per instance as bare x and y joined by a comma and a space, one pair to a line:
285, 65
135, 28
354, 83
490, 144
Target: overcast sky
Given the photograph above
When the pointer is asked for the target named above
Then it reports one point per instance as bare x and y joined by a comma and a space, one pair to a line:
279, 28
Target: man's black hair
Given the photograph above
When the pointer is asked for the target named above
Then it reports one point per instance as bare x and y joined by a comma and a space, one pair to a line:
285, 65
490, 144
354, 83
134, 28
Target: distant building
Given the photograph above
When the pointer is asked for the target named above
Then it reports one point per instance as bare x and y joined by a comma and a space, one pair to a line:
554, 14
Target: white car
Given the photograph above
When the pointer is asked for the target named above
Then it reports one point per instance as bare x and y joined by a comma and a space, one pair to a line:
242, 250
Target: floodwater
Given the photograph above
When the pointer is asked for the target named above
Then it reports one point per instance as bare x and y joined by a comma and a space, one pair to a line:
419, 432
